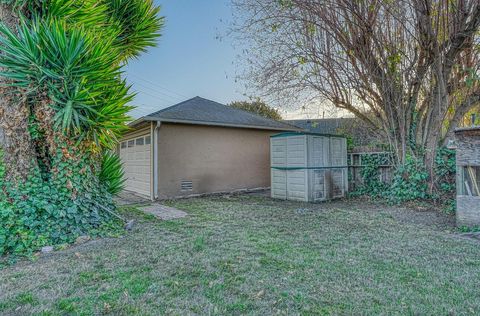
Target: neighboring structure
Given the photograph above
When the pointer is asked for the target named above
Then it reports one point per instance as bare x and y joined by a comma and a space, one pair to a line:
308, 167
468, 176
364, 138
198, 146
324, 126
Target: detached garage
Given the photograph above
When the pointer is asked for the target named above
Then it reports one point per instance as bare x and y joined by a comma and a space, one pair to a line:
196, 147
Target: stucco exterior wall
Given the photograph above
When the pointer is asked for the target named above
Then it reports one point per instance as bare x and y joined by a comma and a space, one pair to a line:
215, 159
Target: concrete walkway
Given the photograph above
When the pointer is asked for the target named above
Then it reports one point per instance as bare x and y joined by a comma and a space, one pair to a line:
160, 211
130, 198
163, 212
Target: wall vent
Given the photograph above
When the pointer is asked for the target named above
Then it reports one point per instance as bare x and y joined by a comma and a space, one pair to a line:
187, 185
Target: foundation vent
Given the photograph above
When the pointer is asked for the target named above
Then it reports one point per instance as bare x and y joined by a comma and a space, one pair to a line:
187, 185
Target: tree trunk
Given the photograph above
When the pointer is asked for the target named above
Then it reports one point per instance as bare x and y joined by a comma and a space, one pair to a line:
15, 139
436, 117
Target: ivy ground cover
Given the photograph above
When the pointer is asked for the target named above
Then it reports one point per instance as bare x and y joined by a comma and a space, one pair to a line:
257, 256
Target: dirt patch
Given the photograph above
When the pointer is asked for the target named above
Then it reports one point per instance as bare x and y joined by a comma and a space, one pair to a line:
424, 217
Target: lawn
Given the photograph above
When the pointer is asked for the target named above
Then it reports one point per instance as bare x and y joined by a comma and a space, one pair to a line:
254, 255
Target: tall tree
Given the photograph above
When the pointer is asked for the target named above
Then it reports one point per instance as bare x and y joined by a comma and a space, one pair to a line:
413, 64
258, 107
63, 105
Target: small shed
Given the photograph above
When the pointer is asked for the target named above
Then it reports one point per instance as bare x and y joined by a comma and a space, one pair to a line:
468, 176
308, 167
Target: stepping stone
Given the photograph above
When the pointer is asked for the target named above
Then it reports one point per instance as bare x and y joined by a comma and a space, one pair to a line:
163, 212
47, 249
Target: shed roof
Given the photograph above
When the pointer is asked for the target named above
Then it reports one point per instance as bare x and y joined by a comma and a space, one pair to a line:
201, 111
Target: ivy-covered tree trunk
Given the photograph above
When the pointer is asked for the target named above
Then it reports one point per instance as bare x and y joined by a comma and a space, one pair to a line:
63, 107
15, 140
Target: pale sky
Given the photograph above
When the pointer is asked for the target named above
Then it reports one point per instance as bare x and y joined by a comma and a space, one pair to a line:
191, 60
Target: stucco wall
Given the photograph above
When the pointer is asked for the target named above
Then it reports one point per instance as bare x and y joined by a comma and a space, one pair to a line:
213, 158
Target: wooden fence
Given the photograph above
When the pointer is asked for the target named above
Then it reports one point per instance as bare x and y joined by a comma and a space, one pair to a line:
356, 162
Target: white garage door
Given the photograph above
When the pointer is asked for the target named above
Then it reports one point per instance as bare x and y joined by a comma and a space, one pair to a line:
135, 155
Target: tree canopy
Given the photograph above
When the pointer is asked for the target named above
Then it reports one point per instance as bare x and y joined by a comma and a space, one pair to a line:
412, 64
258, 107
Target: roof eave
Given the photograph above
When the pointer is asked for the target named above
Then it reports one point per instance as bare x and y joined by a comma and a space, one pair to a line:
191, 122
137, 121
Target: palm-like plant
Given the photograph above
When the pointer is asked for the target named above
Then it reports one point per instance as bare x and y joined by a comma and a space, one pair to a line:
111, 173
64, 60
73, 52
63, 105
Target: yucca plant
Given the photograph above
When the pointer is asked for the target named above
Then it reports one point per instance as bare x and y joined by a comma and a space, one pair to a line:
112, 174
77, 70
64, 103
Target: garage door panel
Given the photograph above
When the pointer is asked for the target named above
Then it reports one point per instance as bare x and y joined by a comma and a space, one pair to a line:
136, 159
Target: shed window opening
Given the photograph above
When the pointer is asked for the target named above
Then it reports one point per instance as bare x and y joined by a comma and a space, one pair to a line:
471, 180
131, 143
124, 145
148, 140
139, 141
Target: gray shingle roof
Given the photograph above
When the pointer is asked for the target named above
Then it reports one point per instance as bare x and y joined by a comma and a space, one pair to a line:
206, 112
364, 136
323, 126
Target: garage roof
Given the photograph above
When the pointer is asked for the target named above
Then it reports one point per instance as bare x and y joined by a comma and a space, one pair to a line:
201, 111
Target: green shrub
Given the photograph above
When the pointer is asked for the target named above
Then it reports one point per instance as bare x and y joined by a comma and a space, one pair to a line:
112, 174
370, 174
55, 210
410, 180
445, 169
